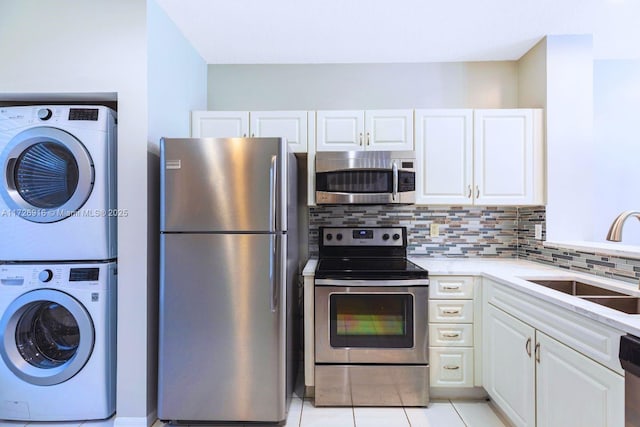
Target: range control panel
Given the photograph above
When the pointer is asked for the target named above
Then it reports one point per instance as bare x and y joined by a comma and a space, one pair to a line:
366, 236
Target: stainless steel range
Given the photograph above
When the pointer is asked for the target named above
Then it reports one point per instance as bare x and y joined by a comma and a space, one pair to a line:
370, 320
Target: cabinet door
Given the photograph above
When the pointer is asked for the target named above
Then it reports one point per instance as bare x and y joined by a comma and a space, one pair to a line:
509, 366
575, 391
508, 168
340, 130
444, 152
389, 130
288, 124
219, 124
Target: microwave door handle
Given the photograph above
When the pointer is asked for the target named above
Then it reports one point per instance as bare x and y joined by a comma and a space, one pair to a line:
394, 171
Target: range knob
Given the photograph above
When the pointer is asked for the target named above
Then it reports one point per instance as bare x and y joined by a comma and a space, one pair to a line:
329, 236
45, 275
45, 114
396, 236
339, 236
385, 236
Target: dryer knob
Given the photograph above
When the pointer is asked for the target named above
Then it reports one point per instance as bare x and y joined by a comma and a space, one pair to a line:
45, 275
44, 114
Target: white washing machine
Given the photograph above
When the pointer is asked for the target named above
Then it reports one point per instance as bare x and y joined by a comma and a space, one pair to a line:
57, 341
58, 183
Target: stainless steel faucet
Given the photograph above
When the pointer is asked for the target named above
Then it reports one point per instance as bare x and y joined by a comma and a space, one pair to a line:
615, 232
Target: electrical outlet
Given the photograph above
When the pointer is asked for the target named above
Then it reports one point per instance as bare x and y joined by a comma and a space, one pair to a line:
434, 230
538, 231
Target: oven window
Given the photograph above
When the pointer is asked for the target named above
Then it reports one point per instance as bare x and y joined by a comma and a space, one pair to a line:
371, 320
358, 181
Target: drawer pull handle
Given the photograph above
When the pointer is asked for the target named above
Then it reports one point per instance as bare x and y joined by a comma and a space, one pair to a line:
537, 350
451, 334
451, 368
451, 311
451, 288
527, 346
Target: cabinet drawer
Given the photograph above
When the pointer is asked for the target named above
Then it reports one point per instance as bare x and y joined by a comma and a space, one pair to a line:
451, 335
451, 311
451, 287
451, 367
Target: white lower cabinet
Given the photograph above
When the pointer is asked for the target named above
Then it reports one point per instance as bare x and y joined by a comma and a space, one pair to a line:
538, 381
451, 331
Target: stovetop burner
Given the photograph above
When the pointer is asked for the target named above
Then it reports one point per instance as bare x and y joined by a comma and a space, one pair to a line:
373, 253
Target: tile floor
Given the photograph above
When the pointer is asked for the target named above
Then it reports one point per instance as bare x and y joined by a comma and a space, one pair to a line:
302, 413
443, 413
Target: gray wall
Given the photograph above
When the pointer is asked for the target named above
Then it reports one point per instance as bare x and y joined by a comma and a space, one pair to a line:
363, 86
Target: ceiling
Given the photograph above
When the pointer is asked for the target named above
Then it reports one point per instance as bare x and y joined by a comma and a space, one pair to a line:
390, 31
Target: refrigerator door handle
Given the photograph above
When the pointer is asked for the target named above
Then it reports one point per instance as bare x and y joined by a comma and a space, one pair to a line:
273, 186
274, 276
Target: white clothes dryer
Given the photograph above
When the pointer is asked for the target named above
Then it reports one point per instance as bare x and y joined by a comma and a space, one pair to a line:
57, 341
58, 183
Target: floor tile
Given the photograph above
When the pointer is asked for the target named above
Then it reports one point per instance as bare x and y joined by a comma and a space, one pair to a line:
438, 414
12, 424
55, 424
477, 414
103, 423
295, 412
380, 417
325, 417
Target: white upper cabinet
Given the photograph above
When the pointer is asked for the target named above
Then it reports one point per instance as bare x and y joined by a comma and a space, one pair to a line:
481, 157
292, 125
364, 130
508, 157
219, 124
444, 154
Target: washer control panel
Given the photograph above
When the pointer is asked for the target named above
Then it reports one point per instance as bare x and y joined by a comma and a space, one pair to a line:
49, 275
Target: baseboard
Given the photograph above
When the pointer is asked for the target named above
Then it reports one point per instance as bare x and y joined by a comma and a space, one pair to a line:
136, 421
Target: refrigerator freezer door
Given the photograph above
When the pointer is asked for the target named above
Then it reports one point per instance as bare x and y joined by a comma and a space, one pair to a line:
222, 342
213, 185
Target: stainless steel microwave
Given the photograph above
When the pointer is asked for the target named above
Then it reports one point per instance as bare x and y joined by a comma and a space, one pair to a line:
365, 177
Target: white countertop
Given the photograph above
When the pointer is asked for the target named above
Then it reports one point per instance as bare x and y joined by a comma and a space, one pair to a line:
513, 272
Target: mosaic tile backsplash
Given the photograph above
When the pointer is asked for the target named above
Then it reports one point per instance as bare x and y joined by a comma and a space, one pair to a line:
504, 231
464, 231
614, 267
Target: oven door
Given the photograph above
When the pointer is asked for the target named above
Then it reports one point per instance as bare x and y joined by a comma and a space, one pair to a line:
371, 324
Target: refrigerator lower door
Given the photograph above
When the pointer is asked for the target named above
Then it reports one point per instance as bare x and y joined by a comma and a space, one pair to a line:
222, 346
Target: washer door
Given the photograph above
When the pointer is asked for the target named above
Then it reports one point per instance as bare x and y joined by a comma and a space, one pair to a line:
48, 175
47, 337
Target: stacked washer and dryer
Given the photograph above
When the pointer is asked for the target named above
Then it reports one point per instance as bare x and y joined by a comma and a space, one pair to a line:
57, 263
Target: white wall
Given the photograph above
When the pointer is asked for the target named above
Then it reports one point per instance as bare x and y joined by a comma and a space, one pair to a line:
363, 86
99, 48
177, 84
570, 148
617, 146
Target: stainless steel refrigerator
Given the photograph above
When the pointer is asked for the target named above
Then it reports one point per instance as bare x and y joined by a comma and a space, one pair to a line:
228, 279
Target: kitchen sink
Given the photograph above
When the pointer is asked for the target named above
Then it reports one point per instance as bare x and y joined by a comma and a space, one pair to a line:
602, 296
573, 287
626, 304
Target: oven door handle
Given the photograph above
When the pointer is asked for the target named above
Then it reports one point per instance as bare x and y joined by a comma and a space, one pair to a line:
372, 283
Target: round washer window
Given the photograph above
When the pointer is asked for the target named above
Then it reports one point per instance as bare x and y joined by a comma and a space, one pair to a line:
46, 175
47, 335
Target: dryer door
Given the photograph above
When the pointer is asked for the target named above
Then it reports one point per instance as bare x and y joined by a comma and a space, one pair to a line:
47, 337
48, 174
